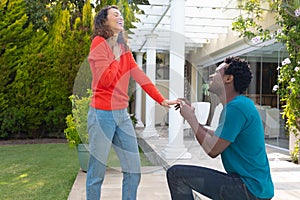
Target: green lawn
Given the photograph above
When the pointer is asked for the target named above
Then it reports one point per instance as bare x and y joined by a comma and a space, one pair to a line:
37, 171
41, 171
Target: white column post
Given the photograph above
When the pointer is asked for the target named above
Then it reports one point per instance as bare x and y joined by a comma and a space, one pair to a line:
138, 94
150, 130
175, 148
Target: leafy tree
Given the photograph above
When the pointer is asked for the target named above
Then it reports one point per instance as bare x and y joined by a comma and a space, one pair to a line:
43, 45
38, 69
15, 35
133, 4
39, 14
66, 50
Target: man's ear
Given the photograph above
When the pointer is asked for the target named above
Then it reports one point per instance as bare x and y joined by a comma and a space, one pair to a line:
228, 78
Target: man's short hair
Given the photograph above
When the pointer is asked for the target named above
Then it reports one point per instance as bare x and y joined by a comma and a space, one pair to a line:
240, 69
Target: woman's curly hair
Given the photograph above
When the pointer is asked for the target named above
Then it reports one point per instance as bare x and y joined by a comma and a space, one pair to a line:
101, 29
240, 69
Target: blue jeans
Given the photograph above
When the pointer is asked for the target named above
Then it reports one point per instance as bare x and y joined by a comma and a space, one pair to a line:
182, 179
106, 129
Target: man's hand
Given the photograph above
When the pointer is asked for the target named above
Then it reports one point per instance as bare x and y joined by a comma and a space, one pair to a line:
186, 109
183, 101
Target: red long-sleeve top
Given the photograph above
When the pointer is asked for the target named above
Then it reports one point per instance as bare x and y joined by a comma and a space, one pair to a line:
111, 78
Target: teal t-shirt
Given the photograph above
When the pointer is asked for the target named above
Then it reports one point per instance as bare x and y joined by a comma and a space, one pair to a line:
240, 123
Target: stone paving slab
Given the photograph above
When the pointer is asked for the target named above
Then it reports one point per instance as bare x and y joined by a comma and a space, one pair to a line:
285, 175
153, 186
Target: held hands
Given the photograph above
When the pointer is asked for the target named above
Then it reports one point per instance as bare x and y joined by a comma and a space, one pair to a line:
186, 109
168, 103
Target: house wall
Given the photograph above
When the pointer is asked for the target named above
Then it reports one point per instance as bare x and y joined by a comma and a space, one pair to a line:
231, 45
160, 111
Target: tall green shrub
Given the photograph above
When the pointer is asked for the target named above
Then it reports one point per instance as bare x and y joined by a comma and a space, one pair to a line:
38, 71
66, 50
43, 46
15, 35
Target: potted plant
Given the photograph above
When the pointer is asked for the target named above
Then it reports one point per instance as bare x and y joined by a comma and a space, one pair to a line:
76, 131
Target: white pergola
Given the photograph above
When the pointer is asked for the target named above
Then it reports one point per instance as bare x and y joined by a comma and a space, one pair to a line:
204, 20
179, 27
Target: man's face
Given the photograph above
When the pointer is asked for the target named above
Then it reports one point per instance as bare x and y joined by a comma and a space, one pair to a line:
216, 84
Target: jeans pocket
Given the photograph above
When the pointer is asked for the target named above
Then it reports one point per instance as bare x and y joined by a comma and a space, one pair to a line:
236, 192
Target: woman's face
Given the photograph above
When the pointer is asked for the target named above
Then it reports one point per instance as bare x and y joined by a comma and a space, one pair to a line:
115, 20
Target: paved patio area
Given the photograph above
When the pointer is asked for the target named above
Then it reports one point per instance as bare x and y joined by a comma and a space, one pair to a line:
153, 184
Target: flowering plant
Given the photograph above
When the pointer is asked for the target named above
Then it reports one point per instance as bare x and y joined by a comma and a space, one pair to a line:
289, 74
289, 91
287, 14
76, 131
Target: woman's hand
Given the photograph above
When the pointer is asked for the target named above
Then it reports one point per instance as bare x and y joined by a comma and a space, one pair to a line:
168, 103
115, 47
117, 51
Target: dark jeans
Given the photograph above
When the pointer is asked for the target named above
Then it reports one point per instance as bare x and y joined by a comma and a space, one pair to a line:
182, 179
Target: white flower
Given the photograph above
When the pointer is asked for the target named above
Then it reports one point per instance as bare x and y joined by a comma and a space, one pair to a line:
278, 67
293, 80
283, 63
256, 39
297, 69
286, 61
279, 32
298, 62
297, 12
272, 35
275, 88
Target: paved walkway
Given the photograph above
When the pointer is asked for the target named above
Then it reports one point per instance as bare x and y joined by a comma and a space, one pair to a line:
153, 186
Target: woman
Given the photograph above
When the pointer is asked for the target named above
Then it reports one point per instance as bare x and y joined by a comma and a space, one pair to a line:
109, 124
